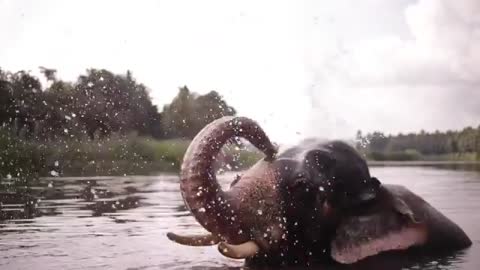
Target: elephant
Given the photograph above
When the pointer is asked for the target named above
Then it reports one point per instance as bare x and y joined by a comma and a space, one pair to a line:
269, 215
311, 203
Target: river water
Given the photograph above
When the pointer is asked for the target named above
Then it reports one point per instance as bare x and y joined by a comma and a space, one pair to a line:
121, 222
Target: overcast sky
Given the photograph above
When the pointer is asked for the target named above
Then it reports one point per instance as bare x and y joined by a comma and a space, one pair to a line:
301, 68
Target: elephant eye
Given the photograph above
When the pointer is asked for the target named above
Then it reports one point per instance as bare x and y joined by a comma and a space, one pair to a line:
375, 181
301, 183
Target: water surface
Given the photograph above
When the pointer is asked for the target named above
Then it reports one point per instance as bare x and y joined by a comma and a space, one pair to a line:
121, 222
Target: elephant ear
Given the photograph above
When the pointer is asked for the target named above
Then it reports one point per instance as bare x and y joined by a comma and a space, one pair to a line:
392, 228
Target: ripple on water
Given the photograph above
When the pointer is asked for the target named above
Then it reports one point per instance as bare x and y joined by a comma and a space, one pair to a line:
121, 222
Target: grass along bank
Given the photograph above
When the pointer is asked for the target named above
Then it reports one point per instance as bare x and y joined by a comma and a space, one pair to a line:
130, 155
134, 155
413, 155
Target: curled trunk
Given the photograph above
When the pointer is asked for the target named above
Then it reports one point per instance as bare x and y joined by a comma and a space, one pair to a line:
216, 210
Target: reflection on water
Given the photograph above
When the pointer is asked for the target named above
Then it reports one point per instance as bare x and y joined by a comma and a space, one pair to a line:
121, 222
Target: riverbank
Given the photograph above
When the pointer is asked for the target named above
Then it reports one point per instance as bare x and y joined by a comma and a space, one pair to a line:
421, 163
114, 156
413, 155
136, 155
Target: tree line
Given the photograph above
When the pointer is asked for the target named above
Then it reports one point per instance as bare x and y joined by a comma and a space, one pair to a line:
98, 104
413, 146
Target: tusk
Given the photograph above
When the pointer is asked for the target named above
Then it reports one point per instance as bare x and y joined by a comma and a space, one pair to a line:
194, 240
247, 249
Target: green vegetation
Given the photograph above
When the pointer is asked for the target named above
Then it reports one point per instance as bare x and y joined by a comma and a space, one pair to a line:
99, 104
19, 158
463, 145
106, 124
113, 156
101, 124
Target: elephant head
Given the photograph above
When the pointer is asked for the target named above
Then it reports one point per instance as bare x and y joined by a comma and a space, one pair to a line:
267, 212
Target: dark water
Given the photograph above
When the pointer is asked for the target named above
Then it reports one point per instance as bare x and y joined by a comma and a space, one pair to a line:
121, 222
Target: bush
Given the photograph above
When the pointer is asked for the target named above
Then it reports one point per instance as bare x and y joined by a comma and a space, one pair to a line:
407, 155
117, 155
19, 158
452, 157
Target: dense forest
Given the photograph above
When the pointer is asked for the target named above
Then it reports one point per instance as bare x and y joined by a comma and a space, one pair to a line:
99, 104
449, 145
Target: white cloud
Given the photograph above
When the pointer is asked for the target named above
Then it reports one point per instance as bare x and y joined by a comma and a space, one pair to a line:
300, 68
400, 84
249, 50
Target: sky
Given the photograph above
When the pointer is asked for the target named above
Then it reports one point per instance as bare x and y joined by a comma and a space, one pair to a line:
300, 68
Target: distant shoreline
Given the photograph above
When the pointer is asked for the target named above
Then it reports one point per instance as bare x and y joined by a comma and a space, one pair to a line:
137, 155
420, 163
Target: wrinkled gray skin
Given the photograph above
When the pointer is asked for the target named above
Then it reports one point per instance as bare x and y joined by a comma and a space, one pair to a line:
270, 213
313, 202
